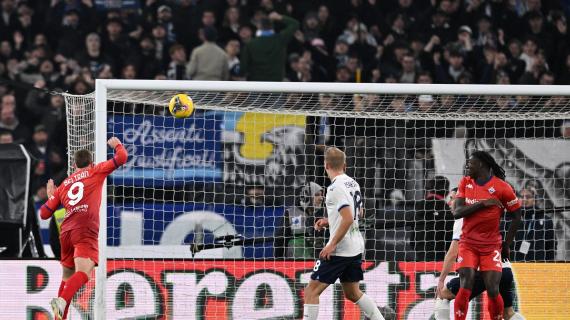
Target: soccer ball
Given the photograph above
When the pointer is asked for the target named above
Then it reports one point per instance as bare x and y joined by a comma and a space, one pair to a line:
181, 106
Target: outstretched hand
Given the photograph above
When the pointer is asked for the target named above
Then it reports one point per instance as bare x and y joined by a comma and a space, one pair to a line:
50, 188
440, 285
321, 224
113, 142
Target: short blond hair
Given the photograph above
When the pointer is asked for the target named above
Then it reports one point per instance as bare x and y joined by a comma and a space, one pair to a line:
335, 158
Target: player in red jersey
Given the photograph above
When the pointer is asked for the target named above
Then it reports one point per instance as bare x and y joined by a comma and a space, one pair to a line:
481, 199
80, 194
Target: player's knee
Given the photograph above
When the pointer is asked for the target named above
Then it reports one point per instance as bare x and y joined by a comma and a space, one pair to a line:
493, 291
467, 276
353, 295
67, 273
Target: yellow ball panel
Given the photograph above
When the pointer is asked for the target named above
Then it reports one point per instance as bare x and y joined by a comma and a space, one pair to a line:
181, 106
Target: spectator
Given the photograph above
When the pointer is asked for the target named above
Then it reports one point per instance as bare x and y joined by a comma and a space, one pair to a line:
9, 21
54, 117
546, 78
440, 27
208, 61
529, 53
424, 77
208, 18
93, 57
343, 74
116, 44
230, 25
408, 74
6, 137
129, 72
177, 67
295, 236
161, 45
311, 26
9, 121
148, 64
263, 58
455, 68
433, 222
464, 40
536, 29
357, 30
71, 32
485, 35
328, 26
39, 151
164, 18
245, 34
535, 239
232, 51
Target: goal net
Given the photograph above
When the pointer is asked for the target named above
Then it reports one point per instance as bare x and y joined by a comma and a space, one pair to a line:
211, 217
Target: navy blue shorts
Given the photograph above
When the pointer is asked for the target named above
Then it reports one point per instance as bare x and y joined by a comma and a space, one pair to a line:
505, 287
347, 269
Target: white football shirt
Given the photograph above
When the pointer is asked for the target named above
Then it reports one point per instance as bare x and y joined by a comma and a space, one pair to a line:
457, 226
345, 192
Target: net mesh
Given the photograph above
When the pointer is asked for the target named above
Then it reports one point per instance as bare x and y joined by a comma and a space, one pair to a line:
212, 215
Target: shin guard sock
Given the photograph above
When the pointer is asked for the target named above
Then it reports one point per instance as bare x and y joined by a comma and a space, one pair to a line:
461, 304
73, 285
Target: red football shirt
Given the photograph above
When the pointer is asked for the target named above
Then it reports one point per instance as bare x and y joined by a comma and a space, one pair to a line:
482, 227
80, 194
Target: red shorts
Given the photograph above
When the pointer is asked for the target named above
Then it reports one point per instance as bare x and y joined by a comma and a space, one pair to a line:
78, 243
484, 258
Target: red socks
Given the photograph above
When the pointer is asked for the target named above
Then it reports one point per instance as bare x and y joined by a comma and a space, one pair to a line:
73, 285
496, 307
61, 286
59, 292
461, 303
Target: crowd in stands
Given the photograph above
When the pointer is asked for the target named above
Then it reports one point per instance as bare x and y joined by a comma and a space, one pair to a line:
63, 45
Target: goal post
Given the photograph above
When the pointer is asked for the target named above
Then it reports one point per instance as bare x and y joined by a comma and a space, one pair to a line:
100, 156
397, 137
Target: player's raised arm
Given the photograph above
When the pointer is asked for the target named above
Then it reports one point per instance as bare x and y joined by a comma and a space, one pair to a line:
120, 151
53, 202
119, 159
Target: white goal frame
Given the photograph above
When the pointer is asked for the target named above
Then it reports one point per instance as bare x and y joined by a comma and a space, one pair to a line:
103, 85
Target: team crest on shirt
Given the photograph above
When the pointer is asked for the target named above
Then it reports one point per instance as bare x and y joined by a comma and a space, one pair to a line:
469, 186
491, 190
459, 259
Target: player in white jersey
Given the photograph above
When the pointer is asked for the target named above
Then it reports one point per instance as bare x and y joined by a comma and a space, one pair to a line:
446, 293
342, 256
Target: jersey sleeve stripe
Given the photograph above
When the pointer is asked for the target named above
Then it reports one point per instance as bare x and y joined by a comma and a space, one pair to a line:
50, 209
115, 162
342, 206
